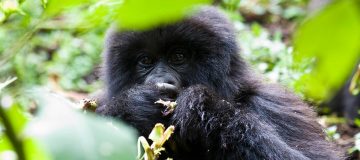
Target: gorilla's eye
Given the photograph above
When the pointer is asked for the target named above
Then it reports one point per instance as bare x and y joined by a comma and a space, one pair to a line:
177, 58
146, 61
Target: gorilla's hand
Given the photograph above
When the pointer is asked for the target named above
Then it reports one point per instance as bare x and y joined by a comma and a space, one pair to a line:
203, 118
200, 112
137, 106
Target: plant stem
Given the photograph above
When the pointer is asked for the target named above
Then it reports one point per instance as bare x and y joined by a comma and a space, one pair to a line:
9, 131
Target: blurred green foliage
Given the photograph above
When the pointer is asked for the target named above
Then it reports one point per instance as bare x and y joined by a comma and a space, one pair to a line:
268, 53
355, 82
141, 14
331, 41
35, 50
265, 47
13, 143
276, 9
57, 43
332, 134
60, 41
67, 134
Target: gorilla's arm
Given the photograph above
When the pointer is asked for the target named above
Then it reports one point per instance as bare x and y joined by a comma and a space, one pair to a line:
136, 106
245, 128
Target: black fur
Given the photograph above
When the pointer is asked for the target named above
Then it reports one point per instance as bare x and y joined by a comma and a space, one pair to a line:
224, 109
343, 103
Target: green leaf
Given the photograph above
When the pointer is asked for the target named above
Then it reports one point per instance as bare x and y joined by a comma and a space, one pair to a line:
68, 134
44, 3
2, 16
34, 151
142, 14
357, 122
256, 29
14, 121
9, 6
55, 6
5, 144
157, 132
149, 153
332, 37
355, 82
17, 117
100, 13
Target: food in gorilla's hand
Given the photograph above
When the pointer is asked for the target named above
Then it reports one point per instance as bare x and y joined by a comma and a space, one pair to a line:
88, 105
170, 106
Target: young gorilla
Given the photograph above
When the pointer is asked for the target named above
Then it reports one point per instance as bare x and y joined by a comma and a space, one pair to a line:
223, 110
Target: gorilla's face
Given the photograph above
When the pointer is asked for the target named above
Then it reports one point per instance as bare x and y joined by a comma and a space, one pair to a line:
157, 58
166, 68
175, 56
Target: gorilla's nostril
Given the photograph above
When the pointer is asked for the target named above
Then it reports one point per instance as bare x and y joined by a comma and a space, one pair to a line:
171, 82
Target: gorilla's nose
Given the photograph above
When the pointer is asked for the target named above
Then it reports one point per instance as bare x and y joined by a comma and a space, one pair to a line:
163, 82
166, 86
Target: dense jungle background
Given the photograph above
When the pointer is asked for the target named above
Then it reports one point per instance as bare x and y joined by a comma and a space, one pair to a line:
50, 60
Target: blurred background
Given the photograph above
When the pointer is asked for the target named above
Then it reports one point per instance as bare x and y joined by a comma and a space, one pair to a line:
50, 58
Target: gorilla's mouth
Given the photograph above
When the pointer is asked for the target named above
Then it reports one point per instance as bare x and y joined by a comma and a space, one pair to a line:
170, 90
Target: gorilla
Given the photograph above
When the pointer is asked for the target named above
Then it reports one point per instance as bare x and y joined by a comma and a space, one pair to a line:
224, 110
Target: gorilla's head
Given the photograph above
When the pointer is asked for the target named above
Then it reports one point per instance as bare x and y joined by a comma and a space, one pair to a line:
201, 49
